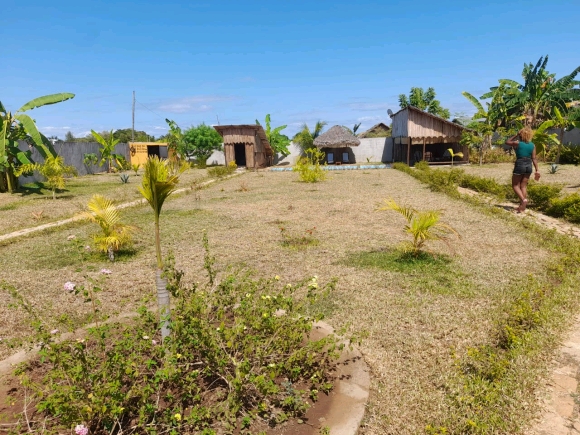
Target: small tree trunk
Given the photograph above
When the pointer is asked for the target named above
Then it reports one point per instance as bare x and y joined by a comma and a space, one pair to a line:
560, 145
163, 302
111, 254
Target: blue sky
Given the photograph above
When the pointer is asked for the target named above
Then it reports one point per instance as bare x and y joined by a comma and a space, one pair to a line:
301, 61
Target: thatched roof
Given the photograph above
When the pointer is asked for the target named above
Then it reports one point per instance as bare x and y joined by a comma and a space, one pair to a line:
336, 137
380, 127
243, 133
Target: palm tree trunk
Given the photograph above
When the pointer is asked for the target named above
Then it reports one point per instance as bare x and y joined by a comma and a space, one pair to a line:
111, 254
161, 284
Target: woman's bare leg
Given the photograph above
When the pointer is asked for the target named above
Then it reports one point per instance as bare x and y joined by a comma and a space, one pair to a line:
524, 189
516, 181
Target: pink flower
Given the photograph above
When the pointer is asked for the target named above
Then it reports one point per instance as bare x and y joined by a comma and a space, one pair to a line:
87, 248
106, 271
80, 429
154, 342
69, 286
54, 331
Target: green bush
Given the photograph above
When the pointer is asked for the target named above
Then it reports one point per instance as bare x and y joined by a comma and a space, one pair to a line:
567, 207
570, 155
483, 184
221, 171
541, 195
308, 167
422, 165
236, 353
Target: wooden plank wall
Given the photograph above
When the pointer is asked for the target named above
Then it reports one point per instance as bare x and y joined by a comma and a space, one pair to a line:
421, 125
229, 153
250, 161
400, 127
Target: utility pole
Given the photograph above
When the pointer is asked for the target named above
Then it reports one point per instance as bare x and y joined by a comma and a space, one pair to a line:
133, 124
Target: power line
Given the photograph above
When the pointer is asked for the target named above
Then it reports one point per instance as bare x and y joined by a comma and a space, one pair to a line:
150, 109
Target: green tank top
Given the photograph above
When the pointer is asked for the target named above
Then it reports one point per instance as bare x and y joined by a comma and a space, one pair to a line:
524, 149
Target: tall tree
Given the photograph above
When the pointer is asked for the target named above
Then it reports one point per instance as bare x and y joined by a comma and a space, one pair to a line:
107, 148
305, 138
200, 142
424, 100
69, 137
19, 126
278, 141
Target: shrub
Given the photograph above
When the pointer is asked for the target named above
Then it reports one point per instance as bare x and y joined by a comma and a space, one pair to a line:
493, 155
422, 165
237, 353
541, 195
570, 155
483, 184
222, 171
308, 167
298, 241
567, 207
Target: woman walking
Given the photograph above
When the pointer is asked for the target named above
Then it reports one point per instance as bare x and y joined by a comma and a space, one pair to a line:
525, 157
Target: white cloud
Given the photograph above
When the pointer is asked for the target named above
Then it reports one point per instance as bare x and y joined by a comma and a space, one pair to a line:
369, 107
199, 103
159, 128
370, 118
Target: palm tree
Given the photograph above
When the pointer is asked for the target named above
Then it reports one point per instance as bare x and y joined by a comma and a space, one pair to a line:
421, 225
114, 233
305, 138
159, 181
424, 100
53, 169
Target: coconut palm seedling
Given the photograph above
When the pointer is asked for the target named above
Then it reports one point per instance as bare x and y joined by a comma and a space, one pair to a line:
159, 181
114, 234
453, 155
422, 226
53, 169
135, 167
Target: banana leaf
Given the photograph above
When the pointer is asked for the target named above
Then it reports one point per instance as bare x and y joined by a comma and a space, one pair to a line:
46, 100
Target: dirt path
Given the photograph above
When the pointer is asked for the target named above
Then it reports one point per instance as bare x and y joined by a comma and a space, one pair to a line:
561, 414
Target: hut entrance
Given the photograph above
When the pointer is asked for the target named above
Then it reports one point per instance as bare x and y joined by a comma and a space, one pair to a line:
240, 154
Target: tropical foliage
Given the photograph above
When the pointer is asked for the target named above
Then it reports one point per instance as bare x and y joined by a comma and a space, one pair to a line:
107, 149
19, 126
114, 234
278, 141
421, 225
53, 169
200, 142
308, 166
159, 182
424, 100
305, 138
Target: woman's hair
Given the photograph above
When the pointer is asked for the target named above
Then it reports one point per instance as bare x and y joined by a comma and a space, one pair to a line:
526, 134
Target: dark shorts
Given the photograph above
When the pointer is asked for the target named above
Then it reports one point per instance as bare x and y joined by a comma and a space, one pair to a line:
523, 166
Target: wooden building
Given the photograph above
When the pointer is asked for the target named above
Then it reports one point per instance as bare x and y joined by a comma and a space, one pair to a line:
247, 145
140, 151
336, 144
379, 130
418, 135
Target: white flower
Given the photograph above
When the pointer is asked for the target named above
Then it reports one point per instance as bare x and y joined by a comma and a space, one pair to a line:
69, 286
106, 271
54, 331
71, 237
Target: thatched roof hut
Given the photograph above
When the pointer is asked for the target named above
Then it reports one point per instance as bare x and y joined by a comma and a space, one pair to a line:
336, 137
379, 130
246, 144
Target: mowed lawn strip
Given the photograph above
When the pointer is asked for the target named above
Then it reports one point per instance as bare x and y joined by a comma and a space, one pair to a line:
34, 205
413, 323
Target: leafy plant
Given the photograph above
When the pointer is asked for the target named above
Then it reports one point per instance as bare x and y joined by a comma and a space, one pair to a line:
124, 178
278, 141
453, 155
53, 169
553, 168
308, 167
200, 142
222, 171
135, 168
305, 138
114, 234
90, 159
422, 165
421, 225
19, 126
159, 182
107, 149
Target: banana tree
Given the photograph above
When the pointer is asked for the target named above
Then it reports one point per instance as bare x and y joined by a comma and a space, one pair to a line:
107, 148
19, 126
278, 141
159, 182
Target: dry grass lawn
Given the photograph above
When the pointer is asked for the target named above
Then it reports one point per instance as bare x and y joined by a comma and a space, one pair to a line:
34, 206
412, 322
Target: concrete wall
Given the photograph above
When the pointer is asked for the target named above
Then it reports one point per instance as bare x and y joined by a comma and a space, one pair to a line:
572, 137
73, 154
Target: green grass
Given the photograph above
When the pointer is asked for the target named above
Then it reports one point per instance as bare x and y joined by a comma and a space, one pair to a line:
426, 272
8, 207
